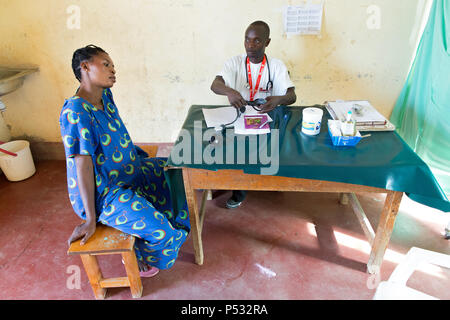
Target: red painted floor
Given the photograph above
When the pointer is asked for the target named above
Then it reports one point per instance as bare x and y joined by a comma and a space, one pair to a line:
278, 245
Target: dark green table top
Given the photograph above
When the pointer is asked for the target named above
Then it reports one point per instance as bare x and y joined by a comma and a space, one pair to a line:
382, 160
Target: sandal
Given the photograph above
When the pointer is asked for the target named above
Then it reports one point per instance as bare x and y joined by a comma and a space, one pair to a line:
153, 271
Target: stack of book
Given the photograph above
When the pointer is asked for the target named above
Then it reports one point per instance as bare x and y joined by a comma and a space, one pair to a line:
366, 116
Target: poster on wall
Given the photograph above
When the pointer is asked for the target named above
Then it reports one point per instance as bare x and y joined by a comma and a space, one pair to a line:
303, 19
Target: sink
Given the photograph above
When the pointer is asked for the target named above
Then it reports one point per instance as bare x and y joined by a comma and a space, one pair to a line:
12, 78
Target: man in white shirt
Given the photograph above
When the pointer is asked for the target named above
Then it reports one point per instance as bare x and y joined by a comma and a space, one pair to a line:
252, 76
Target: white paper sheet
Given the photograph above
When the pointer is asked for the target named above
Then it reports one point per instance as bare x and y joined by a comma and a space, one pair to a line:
219, 116
367, 118
303, 19
363, 111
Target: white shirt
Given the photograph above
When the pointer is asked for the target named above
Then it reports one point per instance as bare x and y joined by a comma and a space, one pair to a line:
234, 73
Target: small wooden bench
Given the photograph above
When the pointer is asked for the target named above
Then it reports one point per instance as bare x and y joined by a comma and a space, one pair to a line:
107, 240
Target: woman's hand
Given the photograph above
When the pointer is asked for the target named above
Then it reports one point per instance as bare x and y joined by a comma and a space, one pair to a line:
85, 230
86, 185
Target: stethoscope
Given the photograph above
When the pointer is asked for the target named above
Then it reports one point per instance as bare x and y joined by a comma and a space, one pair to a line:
239, 112
269, 84
255, 104
220, 131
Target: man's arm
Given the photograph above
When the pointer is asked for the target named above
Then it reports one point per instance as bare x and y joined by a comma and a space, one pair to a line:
86, 185
234, 97
274, 101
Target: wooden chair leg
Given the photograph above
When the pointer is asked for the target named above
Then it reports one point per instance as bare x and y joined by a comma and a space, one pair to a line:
132, 268
94, 274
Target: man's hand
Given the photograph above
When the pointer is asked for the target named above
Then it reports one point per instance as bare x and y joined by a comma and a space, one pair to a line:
85, 230
272, 103
236, 99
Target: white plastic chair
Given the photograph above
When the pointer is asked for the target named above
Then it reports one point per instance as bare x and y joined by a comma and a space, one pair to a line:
395, 288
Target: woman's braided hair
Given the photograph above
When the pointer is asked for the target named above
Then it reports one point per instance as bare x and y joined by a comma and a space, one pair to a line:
83, 54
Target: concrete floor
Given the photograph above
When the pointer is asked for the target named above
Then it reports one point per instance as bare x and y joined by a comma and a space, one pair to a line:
278, 245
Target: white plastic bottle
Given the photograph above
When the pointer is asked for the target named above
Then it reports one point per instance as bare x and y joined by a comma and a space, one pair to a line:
348, 127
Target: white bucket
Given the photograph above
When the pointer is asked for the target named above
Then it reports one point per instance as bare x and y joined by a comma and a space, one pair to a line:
20, 167
312, 119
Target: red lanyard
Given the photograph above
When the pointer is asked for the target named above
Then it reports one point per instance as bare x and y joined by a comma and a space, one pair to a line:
249, 72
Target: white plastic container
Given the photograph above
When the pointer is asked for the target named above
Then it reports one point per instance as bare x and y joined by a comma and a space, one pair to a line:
312, 120
20, 167
334, 128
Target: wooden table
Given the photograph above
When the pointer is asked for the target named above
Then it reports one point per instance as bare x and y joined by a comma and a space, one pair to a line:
306, 164
200, 179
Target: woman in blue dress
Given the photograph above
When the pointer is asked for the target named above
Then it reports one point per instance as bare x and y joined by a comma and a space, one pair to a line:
109, 179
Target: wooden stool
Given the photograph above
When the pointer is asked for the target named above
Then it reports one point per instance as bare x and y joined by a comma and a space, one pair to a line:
107, 240
151, 150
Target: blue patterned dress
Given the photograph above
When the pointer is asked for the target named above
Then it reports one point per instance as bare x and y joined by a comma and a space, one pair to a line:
131, 191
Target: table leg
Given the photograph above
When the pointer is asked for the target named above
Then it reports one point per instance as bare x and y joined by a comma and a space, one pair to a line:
343, 198
194, 217
384, 231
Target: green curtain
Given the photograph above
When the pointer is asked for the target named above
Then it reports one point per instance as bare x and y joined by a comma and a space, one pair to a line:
422, 112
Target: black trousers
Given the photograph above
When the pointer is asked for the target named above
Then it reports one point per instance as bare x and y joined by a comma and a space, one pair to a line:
239, 195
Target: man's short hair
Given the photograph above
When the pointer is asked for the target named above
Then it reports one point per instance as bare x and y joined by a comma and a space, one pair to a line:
262, 24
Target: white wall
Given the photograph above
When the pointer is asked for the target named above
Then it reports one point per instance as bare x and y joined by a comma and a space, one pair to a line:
167, 53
